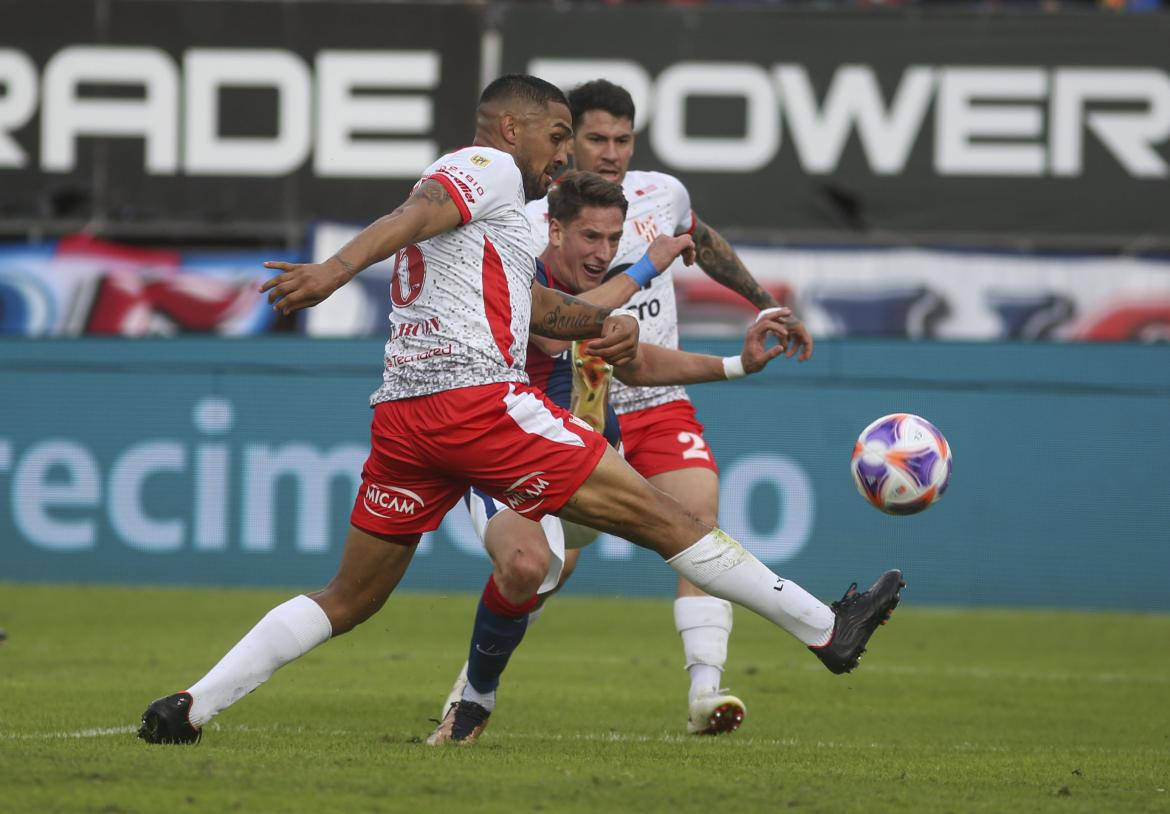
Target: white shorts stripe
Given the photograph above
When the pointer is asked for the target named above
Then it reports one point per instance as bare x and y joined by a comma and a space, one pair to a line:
532, 416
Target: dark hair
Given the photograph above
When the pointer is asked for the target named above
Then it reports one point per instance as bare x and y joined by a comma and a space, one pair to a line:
601, 94
578, 189
525, 88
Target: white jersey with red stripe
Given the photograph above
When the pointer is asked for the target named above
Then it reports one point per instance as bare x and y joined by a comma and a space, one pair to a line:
659, 204
462, 300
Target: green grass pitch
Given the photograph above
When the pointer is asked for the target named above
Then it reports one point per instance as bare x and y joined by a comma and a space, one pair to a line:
951, 711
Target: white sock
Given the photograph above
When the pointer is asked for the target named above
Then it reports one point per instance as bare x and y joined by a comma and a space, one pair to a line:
705, 680
722, 567
533, 615
487, 700
704, 623
287, 632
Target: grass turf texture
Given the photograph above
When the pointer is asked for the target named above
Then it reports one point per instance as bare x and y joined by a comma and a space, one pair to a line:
953, 710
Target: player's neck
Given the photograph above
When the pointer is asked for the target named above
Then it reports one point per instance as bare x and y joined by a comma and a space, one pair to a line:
485, 138
553, 264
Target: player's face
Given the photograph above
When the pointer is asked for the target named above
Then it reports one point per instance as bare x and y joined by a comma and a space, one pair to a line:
604, 144
585, 246
543, 147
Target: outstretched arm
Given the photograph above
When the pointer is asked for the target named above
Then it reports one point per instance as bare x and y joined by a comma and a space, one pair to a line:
656, 365
557, 315
618, 289
720, 262
429, 211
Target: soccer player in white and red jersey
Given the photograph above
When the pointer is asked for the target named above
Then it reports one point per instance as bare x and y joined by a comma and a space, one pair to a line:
662, 438
455, 410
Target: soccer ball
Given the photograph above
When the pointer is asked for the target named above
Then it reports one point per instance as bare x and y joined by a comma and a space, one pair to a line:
901, 463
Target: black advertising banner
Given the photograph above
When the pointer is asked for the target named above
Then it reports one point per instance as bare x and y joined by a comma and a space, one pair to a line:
208, 119
222, 119
1025, 129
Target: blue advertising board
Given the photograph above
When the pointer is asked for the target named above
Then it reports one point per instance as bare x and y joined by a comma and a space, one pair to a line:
235, 462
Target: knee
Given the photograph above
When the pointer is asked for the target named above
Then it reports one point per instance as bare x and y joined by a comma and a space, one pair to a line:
520, 574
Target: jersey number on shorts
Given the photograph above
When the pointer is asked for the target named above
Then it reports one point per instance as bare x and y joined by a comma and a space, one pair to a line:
698, 446
410, 272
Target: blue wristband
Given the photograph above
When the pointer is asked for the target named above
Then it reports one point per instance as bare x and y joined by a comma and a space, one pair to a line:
643, 271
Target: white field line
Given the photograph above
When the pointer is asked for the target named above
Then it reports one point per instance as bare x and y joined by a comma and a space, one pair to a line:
615, 737
606, 737
738, 741
598, 737
97, 732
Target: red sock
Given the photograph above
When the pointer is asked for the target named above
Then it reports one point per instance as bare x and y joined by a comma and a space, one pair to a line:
495, 601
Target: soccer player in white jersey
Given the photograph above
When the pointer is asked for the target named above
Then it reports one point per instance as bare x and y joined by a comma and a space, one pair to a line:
455, 410
662, 438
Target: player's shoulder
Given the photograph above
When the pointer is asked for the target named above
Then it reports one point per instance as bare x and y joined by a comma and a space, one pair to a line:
481, 161
641, 183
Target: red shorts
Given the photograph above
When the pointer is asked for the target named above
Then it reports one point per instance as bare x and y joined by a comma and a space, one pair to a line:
665, 438
507, 439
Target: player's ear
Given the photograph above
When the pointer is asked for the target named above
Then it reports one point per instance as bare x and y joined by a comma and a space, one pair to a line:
509, 127
556, 233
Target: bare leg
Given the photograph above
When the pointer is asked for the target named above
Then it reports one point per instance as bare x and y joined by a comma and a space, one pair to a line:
616, 499
520, 561
698, 490
519, 552
370, 569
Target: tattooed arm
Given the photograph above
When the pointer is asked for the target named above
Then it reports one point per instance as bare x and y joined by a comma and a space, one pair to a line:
558, 316
428, 211
720, 262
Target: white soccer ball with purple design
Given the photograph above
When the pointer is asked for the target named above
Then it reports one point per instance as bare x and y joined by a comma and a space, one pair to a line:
901, 463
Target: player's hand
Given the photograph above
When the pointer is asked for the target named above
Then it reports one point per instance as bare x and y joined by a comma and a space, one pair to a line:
756, 353
796, 338
618, 343
665, 248
302, 285
799, 342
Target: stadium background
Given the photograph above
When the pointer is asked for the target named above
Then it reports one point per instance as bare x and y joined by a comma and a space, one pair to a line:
969, 208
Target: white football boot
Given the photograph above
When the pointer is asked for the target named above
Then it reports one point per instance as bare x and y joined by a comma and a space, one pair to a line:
456, 693
715, 713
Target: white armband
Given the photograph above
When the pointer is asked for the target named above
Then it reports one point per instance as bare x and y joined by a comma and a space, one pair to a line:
733, 367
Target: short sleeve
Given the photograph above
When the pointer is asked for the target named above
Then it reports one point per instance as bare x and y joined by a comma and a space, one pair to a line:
478, 182
680, 207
